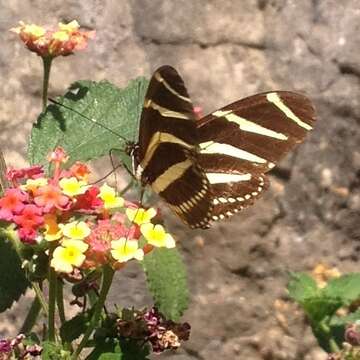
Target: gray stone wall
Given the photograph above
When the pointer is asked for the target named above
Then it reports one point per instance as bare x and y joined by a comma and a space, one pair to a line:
225, 49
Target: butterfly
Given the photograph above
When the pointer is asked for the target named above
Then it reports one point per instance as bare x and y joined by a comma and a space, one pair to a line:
211, 168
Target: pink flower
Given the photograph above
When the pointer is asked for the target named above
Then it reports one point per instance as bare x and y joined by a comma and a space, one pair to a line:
30, 217
27, 235
50, 196
58, 156
32, 172
12, 203
64, 40
99, 241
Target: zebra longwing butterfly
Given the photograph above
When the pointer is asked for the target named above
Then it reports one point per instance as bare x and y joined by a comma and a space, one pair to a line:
211, 168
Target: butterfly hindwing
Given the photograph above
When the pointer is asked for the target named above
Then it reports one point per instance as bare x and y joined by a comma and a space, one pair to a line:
233, 195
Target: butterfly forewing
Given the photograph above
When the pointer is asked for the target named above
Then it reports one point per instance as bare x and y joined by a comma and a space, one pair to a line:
239, 143
167, 145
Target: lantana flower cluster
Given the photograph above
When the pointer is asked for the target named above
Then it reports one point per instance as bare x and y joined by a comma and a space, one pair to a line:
24, 351
151, 326
64, 40
82, 226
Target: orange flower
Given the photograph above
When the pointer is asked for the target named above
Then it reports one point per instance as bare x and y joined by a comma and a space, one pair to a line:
50, 196
80, 170
51, 43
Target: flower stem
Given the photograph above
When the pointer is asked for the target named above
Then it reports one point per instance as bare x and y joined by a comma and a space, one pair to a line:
108, 274
31, 317
52, 301
40, 297
47, 67
60, 300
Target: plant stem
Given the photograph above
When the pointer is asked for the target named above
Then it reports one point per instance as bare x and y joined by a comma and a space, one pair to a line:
31, 317
333, 345
60, 300
108, 274
47, 67
52, 301
327, 332
40, 297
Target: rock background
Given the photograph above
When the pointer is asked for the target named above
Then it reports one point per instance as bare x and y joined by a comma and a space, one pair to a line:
225, 50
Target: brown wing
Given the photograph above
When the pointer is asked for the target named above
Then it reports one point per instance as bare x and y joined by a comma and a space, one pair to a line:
167, 144
239, 143
167, 110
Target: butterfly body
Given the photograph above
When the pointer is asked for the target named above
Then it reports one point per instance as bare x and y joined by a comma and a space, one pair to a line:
209, 169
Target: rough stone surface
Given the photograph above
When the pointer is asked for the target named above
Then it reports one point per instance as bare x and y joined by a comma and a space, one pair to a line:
225, 50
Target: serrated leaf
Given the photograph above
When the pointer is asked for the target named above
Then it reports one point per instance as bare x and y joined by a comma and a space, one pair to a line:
320, 307
346, 288
73, 328
316, 303
166, 278
302, 287
13, 282
117, 109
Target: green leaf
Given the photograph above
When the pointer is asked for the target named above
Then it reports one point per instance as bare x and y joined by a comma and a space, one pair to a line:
316, 303
346, 288
345, 320
117, 109
103, 348
13, 282
119, 350
52, 351
166, 278
302, 287
73, 328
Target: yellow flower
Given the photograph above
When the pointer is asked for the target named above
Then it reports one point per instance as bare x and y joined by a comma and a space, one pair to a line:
70, 27
70, 254
72, 186
125, 249
52, 229
32, 184
140, 216
76, 230
157, 236
31, 30
61, 36
108, 195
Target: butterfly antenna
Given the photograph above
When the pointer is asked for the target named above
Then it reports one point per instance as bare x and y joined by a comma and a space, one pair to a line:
87, 118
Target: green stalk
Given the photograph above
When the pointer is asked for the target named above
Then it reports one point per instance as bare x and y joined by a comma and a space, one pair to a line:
327, 332
108, 274
47, 67
60, 300
52, 300
333, 346
40, 296
31, 317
